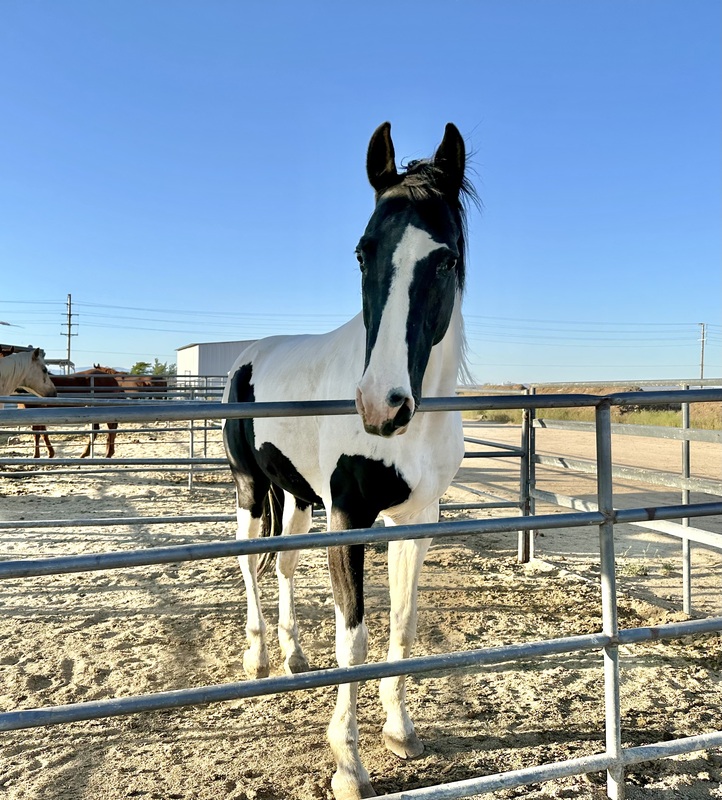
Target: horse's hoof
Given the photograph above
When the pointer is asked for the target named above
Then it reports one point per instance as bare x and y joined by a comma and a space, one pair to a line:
295, 663
255, 667
346, 790
408, 747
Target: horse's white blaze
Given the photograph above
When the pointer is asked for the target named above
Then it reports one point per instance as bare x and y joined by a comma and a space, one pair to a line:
388, 367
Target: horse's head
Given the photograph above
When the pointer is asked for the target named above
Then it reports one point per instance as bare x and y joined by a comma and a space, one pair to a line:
412, 265
37, 378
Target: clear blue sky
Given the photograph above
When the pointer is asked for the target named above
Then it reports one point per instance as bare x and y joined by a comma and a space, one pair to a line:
194, 171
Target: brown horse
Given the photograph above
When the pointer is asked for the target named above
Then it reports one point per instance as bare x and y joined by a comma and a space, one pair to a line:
88, 382
145, 384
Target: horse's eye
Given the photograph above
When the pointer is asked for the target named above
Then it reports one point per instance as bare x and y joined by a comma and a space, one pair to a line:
447, 265
360, 259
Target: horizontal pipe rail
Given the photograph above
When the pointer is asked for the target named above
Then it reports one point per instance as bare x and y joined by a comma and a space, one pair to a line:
83, 399
496, 445
472, 787
80, 470
646, 431
10, 461
501, 454
96, 709
120, 462
16, 720
660, 382
698, 535
24, 568
158, 555
674, 747
653, 477
101, 522
152, 412
58, 430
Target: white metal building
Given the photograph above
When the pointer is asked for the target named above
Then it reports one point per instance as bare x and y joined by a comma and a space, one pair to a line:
204, 359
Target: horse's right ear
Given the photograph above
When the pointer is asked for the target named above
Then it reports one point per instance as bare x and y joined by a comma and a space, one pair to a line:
381, 159
37, 353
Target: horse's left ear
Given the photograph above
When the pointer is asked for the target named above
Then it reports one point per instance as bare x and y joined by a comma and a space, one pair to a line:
451, 158
37, 353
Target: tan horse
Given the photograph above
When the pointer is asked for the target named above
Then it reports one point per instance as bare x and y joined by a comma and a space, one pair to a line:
26, 370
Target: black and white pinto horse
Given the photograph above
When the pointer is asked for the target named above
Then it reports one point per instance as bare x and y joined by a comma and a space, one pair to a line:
408, 343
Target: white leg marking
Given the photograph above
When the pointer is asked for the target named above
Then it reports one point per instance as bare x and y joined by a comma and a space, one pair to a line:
294, 521
405, 561
351, 780
255, 659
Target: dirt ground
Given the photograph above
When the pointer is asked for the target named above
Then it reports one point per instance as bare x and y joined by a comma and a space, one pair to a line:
116, 633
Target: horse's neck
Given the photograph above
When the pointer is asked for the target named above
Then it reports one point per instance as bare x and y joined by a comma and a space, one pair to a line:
13, 373
442, 373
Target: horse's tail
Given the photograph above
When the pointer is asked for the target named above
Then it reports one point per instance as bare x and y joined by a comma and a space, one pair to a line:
271, 525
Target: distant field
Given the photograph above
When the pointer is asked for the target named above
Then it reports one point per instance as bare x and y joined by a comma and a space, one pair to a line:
706, 416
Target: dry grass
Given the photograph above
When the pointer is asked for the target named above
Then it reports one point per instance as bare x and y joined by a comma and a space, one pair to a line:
706, 416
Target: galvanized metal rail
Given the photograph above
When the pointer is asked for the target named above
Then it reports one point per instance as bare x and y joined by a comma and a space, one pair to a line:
615, 757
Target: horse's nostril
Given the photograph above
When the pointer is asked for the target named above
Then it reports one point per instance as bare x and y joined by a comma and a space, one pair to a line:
403, 416
396, 397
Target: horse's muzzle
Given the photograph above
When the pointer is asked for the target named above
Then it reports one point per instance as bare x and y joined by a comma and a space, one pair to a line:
389, 418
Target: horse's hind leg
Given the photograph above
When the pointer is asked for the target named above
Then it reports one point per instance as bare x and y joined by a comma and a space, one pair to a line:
405, 561
296, 519
91, 441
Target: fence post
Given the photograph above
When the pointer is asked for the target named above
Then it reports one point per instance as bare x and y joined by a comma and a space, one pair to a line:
91, 452
525, 539
206, 396
610, 623
191, 448
686, 544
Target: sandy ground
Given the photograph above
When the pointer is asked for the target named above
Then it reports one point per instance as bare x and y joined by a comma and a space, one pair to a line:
117, 633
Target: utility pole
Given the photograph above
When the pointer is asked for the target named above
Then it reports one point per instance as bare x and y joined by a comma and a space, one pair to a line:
703, 341
69, 324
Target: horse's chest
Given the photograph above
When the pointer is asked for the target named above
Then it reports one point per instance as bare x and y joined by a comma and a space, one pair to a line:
412, 470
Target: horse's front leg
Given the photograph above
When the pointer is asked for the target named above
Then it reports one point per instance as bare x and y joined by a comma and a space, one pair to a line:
405, 561
255, 658
46, 439
296, 519
38, 431
112, 433
351, 780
